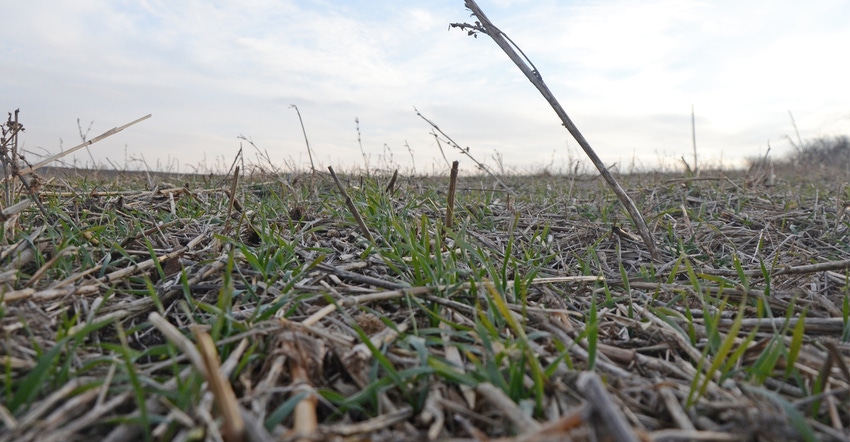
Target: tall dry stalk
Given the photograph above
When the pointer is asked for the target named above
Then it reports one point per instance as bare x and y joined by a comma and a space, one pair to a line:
306, 141
694, 139
450, 205
59, 155
465, 151
485, 26
9, 152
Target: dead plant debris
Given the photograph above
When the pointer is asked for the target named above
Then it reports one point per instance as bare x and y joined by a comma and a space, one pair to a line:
136, 308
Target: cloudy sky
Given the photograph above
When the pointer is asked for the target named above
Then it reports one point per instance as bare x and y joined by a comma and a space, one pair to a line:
627, 72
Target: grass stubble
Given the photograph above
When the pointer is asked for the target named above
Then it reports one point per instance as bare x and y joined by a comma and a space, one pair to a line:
177, 313
262, 306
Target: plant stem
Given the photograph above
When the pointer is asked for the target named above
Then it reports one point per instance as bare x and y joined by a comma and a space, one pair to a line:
534, 76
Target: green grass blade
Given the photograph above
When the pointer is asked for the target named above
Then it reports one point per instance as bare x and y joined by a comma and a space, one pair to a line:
797, 338
35, 379
795, 418
592, 328
283, 410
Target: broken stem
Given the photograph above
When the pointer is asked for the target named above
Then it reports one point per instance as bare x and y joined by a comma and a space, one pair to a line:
487, 27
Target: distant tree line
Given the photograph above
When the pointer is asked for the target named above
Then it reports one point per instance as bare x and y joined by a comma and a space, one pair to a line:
825, 152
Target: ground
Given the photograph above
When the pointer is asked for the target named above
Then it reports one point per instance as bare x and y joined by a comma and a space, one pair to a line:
257, 307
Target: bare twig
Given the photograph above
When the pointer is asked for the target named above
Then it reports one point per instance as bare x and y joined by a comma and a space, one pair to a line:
106, 134
306, 141
825, 266
450, 205
485, 26
391, 186
424, 290
694, 139
14, 209
799, 145
440, 146
370, 425
465, 151
351, 207
500, 400
83, 137
360, 143
811, 325
228, 407
604, 407
9, 151
232, 200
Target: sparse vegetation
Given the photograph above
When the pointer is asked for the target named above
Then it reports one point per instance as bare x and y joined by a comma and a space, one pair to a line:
154, 307
823, 152
820, 159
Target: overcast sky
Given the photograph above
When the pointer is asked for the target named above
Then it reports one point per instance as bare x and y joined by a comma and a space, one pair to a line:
627, 72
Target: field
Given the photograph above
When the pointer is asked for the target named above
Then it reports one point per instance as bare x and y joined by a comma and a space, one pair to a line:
257, 307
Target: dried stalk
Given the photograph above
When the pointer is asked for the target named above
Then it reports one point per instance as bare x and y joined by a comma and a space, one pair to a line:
106, 134
234, 427
604, 407
391, 186
450, 206
302, 354
694, 139
351, 207
306, 141
9, 155
465, 151
374, 424
486, 27
825, 266
14, 209
500, 400
232, 200
425, 290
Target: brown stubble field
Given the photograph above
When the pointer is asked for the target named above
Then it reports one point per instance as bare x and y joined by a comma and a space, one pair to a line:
150, 307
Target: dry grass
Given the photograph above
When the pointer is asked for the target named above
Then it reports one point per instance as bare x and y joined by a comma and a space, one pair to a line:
136, 308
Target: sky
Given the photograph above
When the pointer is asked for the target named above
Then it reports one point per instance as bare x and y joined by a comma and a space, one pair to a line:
216, 73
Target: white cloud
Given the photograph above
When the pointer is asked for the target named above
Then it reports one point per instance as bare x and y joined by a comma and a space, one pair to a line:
627, 72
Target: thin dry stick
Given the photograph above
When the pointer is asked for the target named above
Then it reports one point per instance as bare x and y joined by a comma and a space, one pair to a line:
450, 207
14, 209
556, 429
424, 290
106, 134
129, 270
497, 397
9, 148
440, 146
680, 417
204, 359
351, 207
391, 186
306, 141
694, 139
228, 407
48, 294
603, 406
799, 145
232, 195
48, 265
487, 27
374, 424
813, 268
843, 264
359, 278
479, 164
811, 325
304, 414
178, 339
